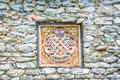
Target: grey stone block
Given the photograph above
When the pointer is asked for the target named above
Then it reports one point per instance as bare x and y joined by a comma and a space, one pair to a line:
3, 6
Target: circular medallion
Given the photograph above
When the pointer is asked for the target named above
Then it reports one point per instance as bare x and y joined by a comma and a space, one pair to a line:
59, 45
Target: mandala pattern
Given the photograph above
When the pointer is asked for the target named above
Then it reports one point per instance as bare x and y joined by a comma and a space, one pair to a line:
59, 45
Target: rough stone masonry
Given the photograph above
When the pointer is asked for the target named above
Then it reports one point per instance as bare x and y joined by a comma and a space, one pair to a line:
101, 38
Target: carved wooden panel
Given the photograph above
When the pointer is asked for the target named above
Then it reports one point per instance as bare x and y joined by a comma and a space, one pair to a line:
59, 45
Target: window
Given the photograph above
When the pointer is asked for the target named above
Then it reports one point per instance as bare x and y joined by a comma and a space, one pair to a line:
59, 45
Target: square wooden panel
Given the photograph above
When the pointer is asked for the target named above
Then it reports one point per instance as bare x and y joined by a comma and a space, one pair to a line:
59, 46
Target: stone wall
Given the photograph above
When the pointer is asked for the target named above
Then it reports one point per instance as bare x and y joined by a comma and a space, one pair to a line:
101, 29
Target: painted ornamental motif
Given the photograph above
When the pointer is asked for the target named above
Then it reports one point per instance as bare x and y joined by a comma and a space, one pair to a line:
59, 45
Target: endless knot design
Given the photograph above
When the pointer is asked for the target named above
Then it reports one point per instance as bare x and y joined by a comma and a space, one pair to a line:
59, 45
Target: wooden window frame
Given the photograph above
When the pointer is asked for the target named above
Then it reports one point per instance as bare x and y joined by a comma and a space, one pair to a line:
38, 24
